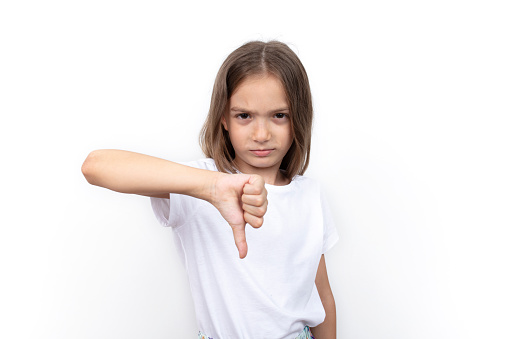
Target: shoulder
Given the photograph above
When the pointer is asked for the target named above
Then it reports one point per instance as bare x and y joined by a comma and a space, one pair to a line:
303, 182
310, 187
300, 187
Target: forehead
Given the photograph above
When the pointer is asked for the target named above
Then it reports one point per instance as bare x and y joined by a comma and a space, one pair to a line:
259, 91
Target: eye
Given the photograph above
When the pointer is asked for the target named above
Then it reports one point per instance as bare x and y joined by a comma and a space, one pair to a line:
242, 116
280, 115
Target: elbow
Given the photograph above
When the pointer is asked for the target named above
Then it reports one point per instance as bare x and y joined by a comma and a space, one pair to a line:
90, 165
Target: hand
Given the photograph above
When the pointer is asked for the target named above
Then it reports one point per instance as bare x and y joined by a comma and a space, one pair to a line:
241, 199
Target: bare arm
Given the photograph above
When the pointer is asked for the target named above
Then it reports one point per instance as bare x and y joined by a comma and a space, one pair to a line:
327, 329
239, 198
129, 172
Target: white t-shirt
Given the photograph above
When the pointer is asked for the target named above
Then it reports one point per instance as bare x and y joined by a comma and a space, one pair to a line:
269, 294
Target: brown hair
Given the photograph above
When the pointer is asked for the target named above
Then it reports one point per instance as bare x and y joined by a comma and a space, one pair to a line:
255, 58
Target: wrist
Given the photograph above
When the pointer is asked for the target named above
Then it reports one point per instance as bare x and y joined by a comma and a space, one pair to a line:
206, 187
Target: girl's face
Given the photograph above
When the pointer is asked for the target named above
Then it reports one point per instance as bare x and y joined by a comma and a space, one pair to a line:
259, 126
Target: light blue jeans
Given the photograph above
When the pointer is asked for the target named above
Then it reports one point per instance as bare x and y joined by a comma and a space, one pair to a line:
305, 334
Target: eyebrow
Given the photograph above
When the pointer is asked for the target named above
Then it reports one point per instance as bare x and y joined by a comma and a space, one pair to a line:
244, 110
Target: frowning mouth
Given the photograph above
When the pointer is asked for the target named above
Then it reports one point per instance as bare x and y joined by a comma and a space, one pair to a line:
262, 152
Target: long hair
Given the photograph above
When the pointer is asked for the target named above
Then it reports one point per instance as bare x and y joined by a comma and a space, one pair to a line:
255, 58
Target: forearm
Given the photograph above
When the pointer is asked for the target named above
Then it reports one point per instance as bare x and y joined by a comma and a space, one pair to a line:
327, 329
136, 173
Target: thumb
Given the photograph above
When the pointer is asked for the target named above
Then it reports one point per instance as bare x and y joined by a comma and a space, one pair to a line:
256, 180
239, 235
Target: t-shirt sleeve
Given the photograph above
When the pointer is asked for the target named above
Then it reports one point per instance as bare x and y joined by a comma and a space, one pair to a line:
173, 212
161, 208
330, 233
169, 212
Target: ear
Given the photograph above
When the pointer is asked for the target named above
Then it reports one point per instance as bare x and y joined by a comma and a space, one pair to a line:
223, 121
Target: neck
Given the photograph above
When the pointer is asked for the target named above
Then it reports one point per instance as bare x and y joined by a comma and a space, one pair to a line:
277, 179
271, 175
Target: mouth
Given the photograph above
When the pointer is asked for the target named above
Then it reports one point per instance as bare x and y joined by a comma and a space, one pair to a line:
262, 152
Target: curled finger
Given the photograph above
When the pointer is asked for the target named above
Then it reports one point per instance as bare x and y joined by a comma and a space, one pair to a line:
253, 220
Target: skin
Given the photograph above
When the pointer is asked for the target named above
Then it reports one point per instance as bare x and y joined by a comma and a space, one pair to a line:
258, 119
327, 329
240, 198
260, 130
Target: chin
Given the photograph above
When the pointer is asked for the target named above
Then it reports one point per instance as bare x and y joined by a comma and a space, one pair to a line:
258, 162
264, 163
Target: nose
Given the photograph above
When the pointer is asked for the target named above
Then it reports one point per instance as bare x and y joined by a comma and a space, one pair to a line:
261, 132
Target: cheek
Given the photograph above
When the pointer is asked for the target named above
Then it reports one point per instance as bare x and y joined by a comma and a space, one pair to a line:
287, 133
239, 130
235, 136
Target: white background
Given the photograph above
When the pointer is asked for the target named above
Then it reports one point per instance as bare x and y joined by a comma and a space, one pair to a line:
410, 141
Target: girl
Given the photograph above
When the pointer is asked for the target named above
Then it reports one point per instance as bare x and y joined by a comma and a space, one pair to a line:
257, 142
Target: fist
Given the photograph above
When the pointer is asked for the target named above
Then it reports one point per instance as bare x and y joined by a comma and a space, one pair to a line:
241, 199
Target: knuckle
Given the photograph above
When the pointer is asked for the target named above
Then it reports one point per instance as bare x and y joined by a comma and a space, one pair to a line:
259, 201
259, 213
261, 180
255, 223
